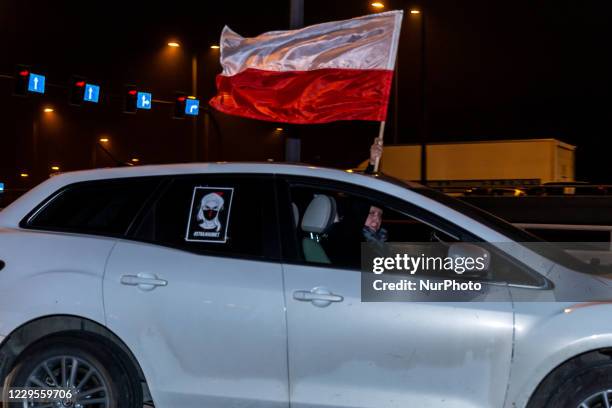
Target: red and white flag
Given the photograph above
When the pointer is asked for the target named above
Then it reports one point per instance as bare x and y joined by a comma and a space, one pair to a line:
340, 70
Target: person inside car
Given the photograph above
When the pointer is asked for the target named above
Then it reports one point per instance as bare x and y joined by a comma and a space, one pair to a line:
372, 230
361, 222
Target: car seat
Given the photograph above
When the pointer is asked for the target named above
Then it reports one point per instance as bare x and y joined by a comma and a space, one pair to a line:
296, 214
319, 215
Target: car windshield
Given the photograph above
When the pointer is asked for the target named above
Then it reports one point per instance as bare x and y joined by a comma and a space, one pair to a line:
484, 217
544, 248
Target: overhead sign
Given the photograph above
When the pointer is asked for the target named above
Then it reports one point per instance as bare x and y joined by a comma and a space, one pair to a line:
36, 83
192, 107
143, 100
91, 93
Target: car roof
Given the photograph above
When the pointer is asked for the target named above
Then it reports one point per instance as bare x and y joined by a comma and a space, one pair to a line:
11, 215
216, 167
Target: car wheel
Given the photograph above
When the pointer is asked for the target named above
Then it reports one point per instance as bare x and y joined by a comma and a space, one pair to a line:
92, 374
590, 388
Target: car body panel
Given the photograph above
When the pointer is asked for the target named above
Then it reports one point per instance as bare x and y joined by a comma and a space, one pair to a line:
50, 274
550, 333
387, 354
214, 336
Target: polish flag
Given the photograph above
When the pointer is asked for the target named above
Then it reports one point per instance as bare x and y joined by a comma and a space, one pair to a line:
340, 70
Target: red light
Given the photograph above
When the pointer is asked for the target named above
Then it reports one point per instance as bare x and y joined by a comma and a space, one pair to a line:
181, 99
25, 72
132, 92
80, 84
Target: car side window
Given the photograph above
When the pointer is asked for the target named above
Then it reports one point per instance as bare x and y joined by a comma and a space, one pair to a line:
218, 215
105, 207
330, 226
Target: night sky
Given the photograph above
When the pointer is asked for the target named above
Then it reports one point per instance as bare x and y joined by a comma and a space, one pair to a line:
495, 70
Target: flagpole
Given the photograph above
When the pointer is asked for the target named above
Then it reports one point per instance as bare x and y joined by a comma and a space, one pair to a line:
381, 134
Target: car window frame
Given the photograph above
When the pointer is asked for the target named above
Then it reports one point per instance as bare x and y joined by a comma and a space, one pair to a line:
131, 235
290, 242
25, 221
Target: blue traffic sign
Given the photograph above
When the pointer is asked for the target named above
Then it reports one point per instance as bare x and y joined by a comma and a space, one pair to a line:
192, 107
1, 187
92, 93
143, 100
36, 83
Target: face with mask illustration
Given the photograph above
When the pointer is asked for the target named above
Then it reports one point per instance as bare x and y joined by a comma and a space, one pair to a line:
208, 214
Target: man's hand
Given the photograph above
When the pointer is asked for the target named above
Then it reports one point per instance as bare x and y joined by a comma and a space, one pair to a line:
376, 151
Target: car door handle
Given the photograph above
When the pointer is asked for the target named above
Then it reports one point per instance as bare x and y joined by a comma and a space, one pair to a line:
144, 281
319, 296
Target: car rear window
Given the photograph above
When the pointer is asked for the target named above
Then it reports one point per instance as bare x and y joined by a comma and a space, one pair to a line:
239, 218
104, 207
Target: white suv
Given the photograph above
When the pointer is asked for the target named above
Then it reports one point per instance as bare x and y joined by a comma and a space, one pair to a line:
209, 285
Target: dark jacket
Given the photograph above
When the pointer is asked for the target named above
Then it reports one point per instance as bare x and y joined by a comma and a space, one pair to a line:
344, 238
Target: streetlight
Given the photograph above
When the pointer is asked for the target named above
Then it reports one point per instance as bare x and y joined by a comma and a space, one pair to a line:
24, 175
48, 110
215, 47
377, 5
103, 140
174, 44
55, 168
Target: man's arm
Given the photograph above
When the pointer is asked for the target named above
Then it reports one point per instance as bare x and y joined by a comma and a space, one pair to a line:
375, 153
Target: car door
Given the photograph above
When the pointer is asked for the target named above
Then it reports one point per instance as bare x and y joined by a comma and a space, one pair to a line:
344, 352
196, 294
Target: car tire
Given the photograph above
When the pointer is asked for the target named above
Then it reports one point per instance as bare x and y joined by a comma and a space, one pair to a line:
117, 386
584, 389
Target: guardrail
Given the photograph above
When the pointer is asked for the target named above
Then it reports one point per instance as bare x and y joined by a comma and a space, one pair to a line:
601, 254
567, 227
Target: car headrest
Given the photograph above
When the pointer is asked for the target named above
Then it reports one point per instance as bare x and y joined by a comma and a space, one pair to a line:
320, 214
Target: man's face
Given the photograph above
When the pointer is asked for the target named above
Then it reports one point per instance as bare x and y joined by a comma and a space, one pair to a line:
374, 219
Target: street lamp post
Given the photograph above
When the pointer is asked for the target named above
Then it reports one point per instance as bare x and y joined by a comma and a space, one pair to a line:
423, 80
194, 90
98, 142
37, 123
35, 137
293, 143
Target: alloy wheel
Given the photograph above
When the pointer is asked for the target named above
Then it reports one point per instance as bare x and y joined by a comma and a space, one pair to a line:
88, 387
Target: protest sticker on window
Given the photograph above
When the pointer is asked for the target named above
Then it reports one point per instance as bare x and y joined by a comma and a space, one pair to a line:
210, 214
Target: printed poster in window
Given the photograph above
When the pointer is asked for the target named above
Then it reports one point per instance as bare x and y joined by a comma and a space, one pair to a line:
209, 218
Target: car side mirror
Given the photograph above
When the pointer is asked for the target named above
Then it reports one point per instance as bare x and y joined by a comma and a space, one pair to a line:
469, 259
